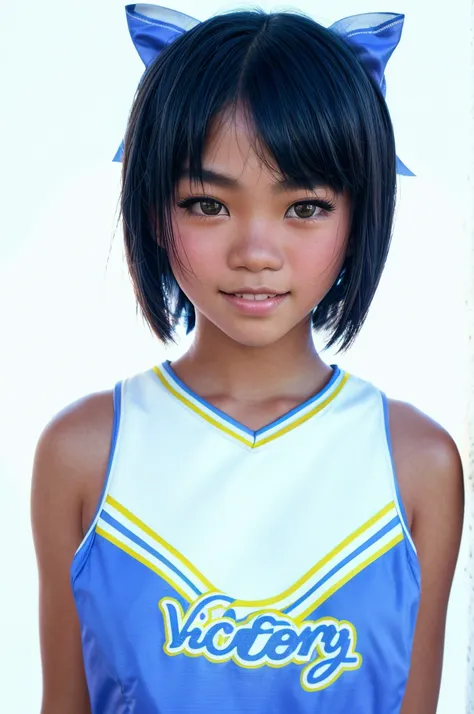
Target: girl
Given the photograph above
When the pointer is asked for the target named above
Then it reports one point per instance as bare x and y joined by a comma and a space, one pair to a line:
246, 528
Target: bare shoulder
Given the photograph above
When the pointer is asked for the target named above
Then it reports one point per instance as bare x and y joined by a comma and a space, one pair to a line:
426, 459
72, 453
83, 420
68, 474
429, 472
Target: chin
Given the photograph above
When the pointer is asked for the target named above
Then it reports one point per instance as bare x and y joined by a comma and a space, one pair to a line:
257, 335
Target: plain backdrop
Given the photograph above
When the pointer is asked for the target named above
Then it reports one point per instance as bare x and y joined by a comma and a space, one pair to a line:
68, 320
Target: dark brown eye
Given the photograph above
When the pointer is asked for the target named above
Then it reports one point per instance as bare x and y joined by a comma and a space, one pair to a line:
210, 208
202, 207
305, 210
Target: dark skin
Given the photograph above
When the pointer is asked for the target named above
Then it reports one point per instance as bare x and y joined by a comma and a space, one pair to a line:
255, 370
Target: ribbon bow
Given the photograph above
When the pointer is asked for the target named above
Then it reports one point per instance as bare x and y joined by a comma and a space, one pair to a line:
373, 36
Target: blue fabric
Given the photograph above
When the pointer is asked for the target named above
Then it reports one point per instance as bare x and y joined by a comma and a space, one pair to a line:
373, 36
128, 670
151, 623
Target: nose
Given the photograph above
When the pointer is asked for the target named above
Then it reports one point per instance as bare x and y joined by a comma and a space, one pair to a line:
255, 247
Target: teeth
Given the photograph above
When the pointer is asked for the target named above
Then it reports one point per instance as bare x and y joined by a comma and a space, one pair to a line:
252, 296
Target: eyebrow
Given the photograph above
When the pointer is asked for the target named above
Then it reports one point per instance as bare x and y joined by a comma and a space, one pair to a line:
280, 186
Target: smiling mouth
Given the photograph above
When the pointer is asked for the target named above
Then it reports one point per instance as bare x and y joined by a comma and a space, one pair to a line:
258, 303
257, 297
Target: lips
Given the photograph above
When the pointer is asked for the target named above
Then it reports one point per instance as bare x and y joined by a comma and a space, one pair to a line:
258, 303
255, 296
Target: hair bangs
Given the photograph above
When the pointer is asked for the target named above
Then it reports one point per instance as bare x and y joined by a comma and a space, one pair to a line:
314, 115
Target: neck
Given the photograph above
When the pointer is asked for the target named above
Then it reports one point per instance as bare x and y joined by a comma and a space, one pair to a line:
216, 364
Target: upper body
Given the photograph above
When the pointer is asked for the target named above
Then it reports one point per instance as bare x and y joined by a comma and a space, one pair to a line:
70, 469
301, 218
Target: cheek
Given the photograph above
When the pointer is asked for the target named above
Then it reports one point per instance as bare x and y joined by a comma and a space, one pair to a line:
197, 258
317, 261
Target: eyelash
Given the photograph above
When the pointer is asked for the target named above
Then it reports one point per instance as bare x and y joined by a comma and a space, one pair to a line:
187, 203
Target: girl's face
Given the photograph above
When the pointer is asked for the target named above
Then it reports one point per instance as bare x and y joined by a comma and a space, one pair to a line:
255, 255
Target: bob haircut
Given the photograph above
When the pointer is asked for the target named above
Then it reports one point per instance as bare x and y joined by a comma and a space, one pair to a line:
312, 107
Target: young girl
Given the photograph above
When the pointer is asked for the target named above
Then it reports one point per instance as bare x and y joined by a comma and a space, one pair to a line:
246, 528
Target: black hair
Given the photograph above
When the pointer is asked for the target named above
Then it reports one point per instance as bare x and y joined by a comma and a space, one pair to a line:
314, 109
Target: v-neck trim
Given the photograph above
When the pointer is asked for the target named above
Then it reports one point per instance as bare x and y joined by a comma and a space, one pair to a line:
225, 423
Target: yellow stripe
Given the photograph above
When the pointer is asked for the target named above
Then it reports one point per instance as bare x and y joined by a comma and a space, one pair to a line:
305, 417
391, 544
142, 560
201, 413
268, 601
231, 432
146, 529
338, 549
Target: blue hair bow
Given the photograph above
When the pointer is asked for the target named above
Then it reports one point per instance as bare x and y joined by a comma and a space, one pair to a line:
373, 36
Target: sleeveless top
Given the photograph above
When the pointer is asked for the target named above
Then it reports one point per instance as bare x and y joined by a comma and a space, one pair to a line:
243, 572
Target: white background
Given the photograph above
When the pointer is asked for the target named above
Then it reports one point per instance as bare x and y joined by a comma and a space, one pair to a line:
68, 324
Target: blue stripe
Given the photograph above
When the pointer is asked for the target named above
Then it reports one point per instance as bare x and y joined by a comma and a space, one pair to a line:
167, 367
254, 434
395, 479
85, 547
300, 407
377, 536
115, 431
411, 548
118, 526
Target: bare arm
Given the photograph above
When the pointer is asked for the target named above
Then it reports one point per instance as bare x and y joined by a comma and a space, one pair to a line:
430, 475
69, 470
